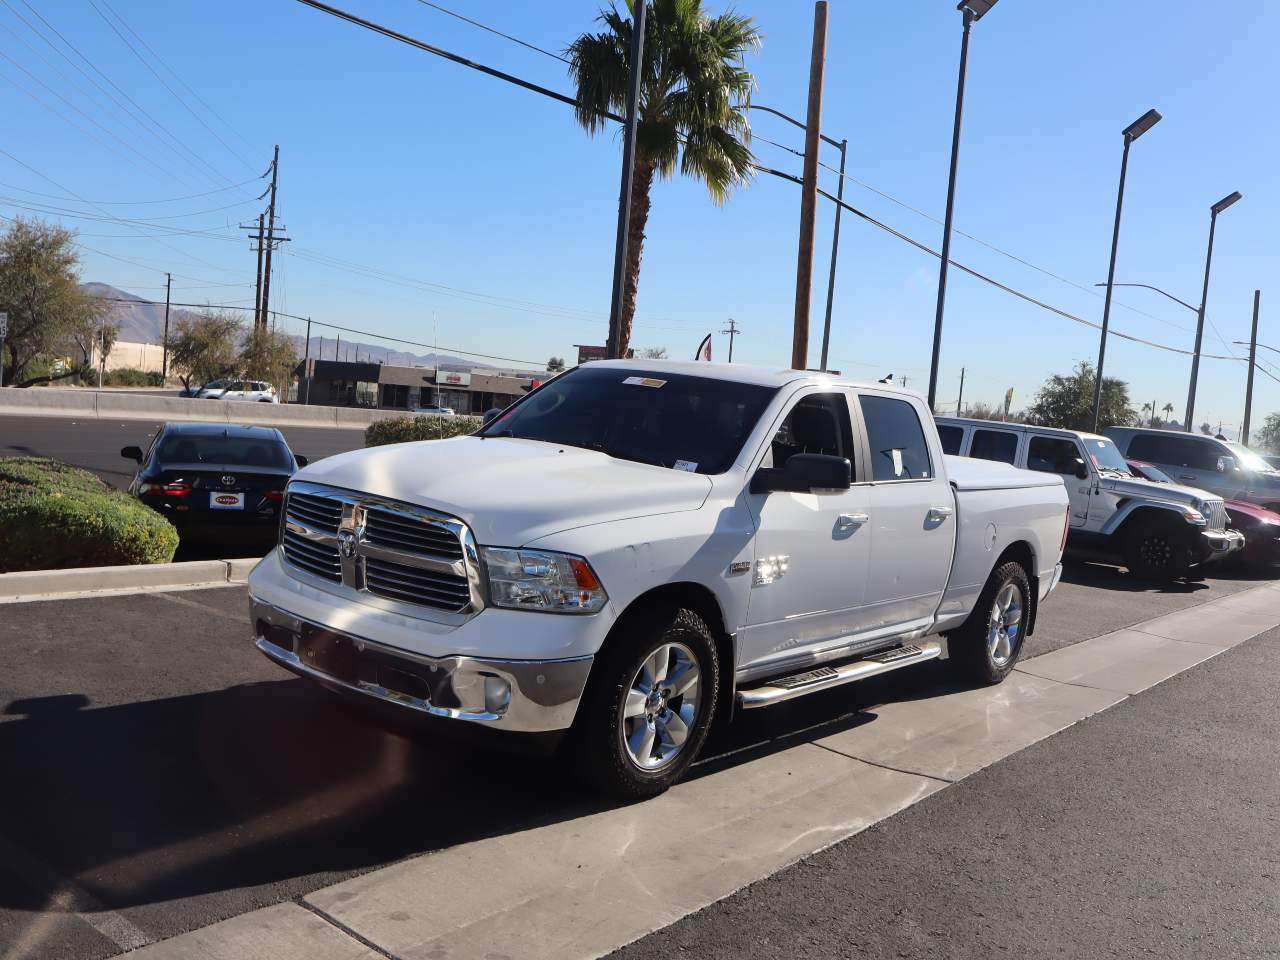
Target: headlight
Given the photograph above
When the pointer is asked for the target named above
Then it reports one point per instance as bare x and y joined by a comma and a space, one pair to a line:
541, 580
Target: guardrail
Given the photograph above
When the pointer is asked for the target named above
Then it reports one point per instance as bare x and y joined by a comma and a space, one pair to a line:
46, 402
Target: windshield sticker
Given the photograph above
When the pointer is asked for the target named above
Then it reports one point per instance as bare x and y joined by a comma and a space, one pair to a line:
645, 382
686, 465
897, 462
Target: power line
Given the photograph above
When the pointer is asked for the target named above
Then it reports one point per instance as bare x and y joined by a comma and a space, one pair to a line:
129, 203
505, 36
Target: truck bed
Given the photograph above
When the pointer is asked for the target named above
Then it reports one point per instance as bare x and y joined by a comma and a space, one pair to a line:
966, 473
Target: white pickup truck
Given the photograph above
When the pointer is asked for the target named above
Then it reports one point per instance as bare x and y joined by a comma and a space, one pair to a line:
637, 547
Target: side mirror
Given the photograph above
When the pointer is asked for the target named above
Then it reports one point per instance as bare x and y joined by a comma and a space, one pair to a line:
492, 414
1082, 469
132, 453
300, 460
804, 473
1227, 465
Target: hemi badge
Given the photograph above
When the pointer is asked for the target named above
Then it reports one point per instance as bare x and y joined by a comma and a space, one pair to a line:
739, 566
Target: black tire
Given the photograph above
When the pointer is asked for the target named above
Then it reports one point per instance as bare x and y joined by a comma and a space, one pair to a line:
599, 748
1156, 550
971, 649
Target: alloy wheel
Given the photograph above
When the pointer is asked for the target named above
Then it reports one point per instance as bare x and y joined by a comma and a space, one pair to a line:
661, 706
1004, 627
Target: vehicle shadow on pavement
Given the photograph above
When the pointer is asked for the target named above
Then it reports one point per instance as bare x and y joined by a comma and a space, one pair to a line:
1108, 577
279, 785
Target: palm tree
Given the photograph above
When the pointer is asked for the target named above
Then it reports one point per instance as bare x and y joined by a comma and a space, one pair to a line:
1151, 409
694, 97
1168, 411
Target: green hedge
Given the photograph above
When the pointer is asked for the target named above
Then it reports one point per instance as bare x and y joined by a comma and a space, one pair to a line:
53, 515
425, 427
131, 377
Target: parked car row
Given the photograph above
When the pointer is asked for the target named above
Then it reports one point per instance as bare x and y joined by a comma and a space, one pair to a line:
1126, 508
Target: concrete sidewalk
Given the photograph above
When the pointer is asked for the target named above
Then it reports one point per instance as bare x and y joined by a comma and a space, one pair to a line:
586, 886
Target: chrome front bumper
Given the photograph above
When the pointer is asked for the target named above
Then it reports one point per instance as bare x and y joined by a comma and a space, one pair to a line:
1218, 544
524, 696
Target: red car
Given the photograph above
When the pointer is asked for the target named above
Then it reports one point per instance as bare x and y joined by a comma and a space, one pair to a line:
1260, 526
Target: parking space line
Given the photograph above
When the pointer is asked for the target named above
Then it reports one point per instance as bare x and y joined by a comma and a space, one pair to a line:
205, 608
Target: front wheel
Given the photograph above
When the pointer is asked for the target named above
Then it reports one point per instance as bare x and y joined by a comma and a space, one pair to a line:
648, 707
988, 644
1154, 550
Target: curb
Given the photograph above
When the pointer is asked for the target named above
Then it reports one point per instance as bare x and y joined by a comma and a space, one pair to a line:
28, 585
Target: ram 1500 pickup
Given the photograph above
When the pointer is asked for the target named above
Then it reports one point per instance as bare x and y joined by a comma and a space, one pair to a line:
636, 547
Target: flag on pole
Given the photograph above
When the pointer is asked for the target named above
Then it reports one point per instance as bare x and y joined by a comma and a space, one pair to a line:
704, 349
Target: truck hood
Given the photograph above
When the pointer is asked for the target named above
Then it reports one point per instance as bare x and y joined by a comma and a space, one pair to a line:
510, 491
1149, 490
968, 473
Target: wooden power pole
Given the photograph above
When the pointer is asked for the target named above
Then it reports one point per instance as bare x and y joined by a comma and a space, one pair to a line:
809, 189
271, 242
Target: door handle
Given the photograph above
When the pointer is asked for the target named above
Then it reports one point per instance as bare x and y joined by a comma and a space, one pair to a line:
1186, 476
940, 513
847, 521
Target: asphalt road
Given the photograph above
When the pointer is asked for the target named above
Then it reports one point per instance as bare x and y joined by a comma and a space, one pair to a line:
1145, 830
165, 775
95, 444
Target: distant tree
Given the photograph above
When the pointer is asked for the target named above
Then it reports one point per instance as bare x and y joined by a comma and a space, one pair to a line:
1149, 408
1067, 401
1268, 438
88, 341
652, 353
204, 346
555, 365
1168, 412
40, 290
1206, 429
694, 94
268, 355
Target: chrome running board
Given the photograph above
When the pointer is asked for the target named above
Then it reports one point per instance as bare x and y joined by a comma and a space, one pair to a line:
824, 678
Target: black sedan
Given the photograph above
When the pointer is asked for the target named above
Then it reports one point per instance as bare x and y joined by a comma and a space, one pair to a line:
216, 480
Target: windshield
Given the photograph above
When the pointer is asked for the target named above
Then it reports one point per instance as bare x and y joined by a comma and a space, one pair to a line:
669, 420
1248, 459
224, 451
1105, 456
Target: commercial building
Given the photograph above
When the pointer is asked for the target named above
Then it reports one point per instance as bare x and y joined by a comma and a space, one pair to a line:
339, 383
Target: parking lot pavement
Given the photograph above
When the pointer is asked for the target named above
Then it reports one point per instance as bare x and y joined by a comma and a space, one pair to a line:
171, 777
1146, 830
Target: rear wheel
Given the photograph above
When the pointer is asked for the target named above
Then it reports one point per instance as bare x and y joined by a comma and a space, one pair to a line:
989, 643
1155, 550
648, 707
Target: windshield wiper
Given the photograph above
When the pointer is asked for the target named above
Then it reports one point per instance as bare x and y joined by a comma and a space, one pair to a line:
497, 433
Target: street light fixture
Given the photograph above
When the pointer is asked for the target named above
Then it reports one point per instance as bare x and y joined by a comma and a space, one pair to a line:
972, 11
1130, 134
1214, 210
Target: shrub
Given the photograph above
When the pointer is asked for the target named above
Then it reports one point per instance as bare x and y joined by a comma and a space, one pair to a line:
425, 427
54, 515
131, 377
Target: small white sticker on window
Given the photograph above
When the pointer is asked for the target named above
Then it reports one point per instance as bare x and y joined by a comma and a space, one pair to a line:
688, 466
645, 382
897, 462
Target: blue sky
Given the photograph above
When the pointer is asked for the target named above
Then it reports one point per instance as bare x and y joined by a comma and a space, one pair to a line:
415, 167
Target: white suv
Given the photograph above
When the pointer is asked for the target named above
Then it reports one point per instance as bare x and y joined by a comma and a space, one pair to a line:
257, 390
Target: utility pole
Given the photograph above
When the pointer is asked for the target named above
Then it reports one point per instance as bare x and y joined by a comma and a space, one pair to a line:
1253, 358
904, 381
164, 355
336, 347
271, 241
960, 401
809, 189
614, 348
306, 365
733, 331
835, 247
257, 295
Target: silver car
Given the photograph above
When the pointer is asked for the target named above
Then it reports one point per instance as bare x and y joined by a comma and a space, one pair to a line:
1231, 470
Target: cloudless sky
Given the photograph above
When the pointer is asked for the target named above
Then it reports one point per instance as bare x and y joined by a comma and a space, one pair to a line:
486, 206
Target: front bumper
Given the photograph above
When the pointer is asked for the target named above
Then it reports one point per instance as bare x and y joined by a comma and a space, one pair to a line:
1215, 545
522, 696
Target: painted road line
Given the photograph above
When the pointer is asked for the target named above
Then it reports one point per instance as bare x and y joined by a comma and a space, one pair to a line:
583, 887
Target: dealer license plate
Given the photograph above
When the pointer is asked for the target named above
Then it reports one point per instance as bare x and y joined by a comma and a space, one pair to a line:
226, 501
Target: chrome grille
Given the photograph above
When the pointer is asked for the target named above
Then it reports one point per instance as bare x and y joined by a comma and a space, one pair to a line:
391, 550
314, 557
398, 581
407, 532
318, 513
1216, 514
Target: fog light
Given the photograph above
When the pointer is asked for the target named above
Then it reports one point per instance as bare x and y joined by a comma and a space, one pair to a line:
497, 695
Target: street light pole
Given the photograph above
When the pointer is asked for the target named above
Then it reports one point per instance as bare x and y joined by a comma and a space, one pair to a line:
1253, 358
972, 11
1131, 133
1214, 210
835, 247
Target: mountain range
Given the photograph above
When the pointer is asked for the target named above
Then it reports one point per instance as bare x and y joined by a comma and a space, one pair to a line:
142, 321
